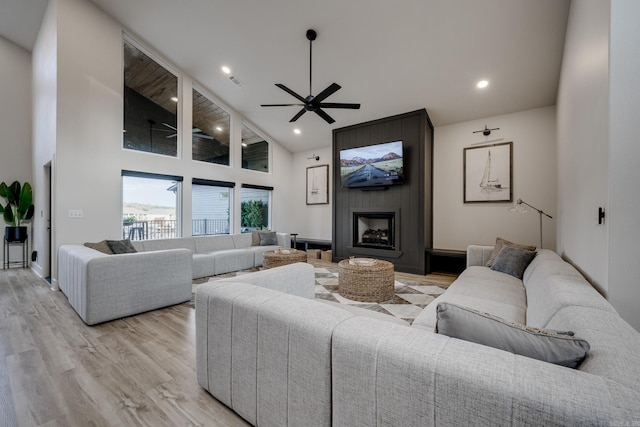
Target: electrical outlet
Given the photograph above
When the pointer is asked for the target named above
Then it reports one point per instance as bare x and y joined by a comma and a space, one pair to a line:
75, 213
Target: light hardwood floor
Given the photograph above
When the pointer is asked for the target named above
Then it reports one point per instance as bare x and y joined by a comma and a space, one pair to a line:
137, 371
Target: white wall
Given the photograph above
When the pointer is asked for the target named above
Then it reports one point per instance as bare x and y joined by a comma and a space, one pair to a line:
583, 140
311, 221
624, 170
88, 148
598, 150
15, 121
456, 224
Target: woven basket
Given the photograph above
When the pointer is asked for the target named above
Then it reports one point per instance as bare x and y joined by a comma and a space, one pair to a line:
326, 255
313, 253
273, 259
366, 283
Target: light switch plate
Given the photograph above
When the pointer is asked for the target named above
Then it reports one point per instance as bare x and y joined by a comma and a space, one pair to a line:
75, 213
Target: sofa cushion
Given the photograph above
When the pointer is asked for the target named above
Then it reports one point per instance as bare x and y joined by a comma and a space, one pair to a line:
164, 244
363, 312
232, 260
242, 240
486, 329
121, 246
428, 316
547, 297
500, 242
101, 246
615, 345
512, 260
208, 244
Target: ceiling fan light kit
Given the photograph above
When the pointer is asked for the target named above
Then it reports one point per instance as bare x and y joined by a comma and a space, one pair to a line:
311, 102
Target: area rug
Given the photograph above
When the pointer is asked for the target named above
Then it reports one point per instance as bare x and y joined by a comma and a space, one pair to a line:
409, 299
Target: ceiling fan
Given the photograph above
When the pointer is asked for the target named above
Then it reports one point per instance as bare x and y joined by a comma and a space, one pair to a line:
313, 103
197, 132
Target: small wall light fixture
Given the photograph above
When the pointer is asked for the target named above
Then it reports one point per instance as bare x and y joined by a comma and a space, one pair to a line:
314, 156
522, 209
486, 131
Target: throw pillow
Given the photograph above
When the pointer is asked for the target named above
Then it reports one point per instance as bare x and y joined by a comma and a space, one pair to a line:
513, 260
268, 238
100, 247
500, 242
121, 246
255, 236
486, 329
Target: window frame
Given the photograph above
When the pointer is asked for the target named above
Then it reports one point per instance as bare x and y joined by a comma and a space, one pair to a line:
215, 183
253, 129
179, 93
212, 98
156, 176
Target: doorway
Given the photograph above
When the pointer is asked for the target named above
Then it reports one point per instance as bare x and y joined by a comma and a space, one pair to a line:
45, 260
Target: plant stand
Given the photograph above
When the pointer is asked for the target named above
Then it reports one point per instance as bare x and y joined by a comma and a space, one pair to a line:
25, 253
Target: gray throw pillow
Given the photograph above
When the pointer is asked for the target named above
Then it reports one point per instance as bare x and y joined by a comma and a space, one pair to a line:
102, 246
513, 260
486, 329
121, 246
500, 242
268, 238
255, 238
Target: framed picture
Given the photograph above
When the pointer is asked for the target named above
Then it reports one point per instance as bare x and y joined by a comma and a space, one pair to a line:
318, 185
488, 174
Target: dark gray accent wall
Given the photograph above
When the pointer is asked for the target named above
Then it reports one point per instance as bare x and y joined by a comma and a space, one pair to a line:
411, 201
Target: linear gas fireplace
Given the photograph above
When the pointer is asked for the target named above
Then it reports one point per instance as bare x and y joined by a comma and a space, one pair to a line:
374, 230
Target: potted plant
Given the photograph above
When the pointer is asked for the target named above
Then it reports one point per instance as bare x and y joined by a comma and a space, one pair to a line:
19, 208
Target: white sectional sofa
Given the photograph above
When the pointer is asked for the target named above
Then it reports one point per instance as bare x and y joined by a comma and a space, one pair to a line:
103, 287
278, 359
219, 254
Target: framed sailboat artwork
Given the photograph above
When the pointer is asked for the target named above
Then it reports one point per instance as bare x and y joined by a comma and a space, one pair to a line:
318, 185
488, 173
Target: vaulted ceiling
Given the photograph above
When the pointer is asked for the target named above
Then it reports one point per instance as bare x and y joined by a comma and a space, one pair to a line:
392, 57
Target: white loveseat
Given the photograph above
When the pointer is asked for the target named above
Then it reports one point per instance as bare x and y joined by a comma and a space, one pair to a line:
278, 359
103, 287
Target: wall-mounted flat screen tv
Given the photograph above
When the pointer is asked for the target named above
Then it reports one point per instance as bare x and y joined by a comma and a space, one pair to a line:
372, 165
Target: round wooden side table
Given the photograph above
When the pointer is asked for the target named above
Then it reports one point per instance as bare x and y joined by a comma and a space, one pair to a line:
283, 257
366, 279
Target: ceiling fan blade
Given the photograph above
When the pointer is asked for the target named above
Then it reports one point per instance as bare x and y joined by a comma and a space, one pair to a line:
327, 92
297, 116
339, 105
202, 136
325, 116
169, 126
290, 92
282, 105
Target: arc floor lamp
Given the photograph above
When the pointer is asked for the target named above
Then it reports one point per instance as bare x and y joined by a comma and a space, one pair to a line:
519, 208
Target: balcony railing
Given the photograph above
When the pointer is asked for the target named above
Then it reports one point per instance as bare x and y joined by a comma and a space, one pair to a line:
166, 228
201, 227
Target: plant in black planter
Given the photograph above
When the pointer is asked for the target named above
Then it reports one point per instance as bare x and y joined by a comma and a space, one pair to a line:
19, 208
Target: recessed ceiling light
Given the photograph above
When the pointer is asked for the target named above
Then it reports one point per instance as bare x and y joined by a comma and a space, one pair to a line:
244, 144
482, 84
174, 98
226, 70
297, 131
218, 128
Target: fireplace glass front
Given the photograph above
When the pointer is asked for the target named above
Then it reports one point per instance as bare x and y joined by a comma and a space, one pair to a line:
374, 230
